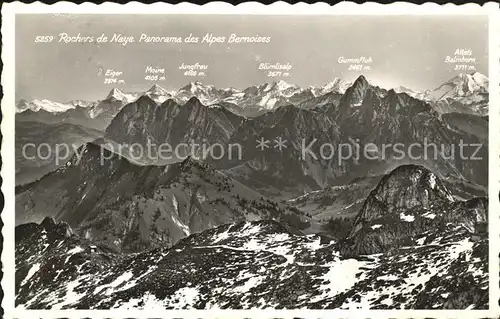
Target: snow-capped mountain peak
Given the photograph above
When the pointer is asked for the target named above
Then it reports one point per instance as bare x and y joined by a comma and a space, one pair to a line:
412, 93
207, 94
277, 86
267, 95
118, 95
158, 94
158, 90
403, 89
462, 85
43, 105
480, 79
469, 83
336, 85
282, 85
194, 87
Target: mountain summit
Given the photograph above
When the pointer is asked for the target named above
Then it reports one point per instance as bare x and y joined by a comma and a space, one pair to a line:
355, 94
405, 187
462, 85
158, 90
207, 94
408, 201
118, 95
464, 93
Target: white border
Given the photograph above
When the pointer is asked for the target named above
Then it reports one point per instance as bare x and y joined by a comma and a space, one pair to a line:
278, 8
494, 157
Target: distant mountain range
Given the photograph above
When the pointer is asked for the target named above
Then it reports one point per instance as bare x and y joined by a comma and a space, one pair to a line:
363, 114
465, 93
264, 96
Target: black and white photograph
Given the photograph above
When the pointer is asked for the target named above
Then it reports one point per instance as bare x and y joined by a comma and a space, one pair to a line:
251, 161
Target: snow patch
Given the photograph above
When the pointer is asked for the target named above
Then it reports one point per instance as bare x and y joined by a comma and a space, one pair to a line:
407, 218
30, 274
429, 215
126, 276
388, 277
71, 295
150, 302
314, 245
249, 229
181, 225
421, 241
340, 277
176, 204
185, 297
73, 251
432, 181
221, 236
250, 283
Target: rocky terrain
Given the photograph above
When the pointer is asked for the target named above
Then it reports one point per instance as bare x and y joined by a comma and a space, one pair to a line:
276, 227
266, 264
409, 201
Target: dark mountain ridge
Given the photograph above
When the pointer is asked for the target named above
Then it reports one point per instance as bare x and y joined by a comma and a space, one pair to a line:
144, 121
106, 197
365, 115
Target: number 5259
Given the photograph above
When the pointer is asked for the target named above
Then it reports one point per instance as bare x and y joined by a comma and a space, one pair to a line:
44, 39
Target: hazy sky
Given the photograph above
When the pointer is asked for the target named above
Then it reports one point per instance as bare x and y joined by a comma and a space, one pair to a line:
405, 50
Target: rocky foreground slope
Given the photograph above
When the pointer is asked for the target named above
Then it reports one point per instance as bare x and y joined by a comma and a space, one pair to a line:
248, 265
392, 259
